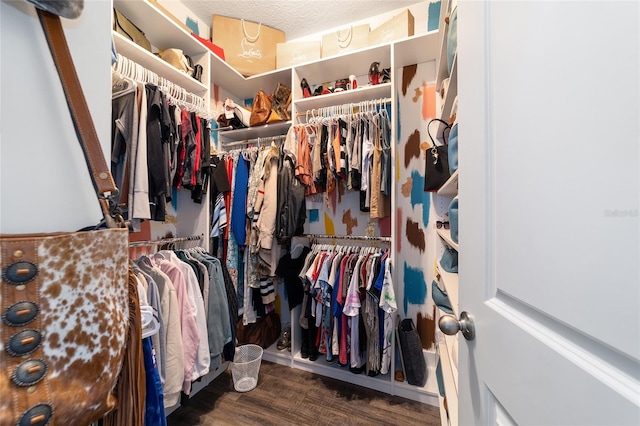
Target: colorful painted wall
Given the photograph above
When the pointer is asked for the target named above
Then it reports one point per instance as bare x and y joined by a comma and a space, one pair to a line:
415, 242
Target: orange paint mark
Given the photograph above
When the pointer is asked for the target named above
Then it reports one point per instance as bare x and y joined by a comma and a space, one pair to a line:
406, 187
428, 101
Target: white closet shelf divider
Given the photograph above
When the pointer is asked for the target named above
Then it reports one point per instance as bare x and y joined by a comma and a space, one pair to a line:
360, 94
450, 187
445, 234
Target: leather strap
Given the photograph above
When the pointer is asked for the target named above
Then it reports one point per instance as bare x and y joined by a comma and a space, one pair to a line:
103, 182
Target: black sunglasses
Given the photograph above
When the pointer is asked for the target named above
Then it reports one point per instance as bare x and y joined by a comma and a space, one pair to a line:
440, 224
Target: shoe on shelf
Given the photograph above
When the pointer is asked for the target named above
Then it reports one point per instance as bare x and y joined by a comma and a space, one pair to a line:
284, 342
306, 90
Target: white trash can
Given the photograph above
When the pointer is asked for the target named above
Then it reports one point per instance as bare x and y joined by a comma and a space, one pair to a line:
246, 367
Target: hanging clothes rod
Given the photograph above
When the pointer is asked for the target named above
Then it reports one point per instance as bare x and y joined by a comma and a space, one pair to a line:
177, 95
165, 241
349, 108
258, 141
347, 237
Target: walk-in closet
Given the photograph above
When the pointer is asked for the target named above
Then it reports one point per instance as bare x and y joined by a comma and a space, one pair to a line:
414, 212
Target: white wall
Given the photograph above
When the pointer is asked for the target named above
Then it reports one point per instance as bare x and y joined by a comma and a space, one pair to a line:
44, 183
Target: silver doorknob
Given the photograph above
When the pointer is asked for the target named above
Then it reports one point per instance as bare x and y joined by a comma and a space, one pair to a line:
450, 325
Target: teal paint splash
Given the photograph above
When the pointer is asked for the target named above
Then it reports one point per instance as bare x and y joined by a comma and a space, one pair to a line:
433, 20
418, 196
193, 25
415, 287
314, 215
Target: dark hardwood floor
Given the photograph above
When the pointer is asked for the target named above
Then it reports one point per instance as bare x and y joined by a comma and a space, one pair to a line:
286, 396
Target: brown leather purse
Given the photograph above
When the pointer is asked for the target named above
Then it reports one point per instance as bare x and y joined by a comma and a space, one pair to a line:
65, 296
261, 109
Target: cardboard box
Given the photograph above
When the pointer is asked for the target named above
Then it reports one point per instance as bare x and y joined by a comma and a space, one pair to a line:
249, 47
400, 26
297, 52
351, 38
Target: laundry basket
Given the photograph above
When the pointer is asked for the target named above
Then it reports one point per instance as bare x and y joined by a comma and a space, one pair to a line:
245, 367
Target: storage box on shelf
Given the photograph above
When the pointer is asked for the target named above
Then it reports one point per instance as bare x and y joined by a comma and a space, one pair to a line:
345, 40
398, 27
294, 53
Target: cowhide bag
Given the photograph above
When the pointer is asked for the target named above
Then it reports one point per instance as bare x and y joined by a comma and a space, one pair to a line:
64, 297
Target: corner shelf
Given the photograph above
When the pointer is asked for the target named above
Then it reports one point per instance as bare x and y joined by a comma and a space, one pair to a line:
450, 187
265, 131
348, 96
445, 234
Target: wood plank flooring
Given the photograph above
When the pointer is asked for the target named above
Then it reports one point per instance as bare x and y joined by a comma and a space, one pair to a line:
286, 396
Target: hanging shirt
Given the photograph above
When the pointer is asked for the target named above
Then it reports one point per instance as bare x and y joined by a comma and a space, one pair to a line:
239, 218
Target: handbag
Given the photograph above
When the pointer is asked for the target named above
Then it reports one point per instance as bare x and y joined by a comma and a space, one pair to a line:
437, 163
264, 332
178, 59
126, 28
65, 296
415, 366
261, 109
282, 101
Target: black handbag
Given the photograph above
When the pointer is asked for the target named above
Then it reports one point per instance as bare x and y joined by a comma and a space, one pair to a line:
415, 366
437, 164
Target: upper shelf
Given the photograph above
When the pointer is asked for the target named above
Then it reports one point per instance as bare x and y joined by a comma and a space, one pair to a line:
442, 71
416, 49
132, 51
161, 31
265, 131
362, 93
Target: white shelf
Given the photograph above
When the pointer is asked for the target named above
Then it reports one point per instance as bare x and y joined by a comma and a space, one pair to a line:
442, 71
445, 234
450, 187
225, 76
336, 67
272, 354
161, 31
450, 285
450, 379
452, 92
137, 54
265, 131
362, 93
416, 49
428, 393
320, 366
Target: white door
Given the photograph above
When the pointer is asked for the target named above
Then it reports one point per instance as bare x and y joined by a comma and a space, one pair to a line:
549, 212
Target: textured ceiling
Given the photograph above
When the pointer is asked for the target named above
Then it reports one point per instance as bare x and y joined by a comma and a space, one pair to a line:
297, 18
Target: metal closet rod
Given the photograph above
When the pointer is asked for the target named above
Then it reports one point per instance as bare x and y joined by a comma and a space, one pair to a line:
165, 241
269, 139
347, 237
353, 107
